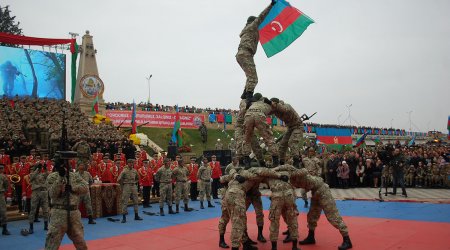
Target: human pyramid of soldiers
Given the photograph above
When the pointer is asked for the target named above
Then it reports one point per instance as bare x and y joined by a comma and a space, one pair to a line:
241, 181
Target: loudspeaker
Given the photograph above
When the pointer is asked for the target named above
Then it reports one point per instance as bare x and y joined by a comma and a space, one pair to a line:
172, 151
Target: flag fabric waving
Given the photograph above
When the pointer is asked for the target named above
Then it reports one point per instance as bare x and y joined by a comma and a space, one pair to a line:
361, 140
282, 26
412, 141
133, 120
95, 105
177, 135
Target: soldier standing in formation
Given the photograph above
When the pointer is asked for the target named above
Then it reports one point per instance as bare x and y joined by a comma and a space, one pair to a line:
86, 198
83, 150
180, 174
145, 182
128, 180
164, 177
58, 189
39, 194
193, 171
3, 189
219, 145
204, 183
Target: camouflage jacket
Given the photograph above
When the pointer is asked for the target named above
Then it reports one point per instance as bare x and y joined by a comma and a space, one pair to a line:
259, 108
164, 175
313, 165
180, 174
204, 173
287, 114
56, 183
128, 176
300, 178
86, 177
37, 179
250, 34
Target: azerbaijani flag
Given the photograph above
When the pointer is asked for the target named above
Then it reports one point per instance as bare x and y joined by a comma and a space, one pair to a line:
133, 120
177, 135
361, 140
448, 123
95, 105
282, 26
340, 136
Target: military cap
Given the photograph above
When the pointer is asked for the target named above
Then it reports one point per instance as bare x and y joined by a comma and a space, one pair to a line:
274, 99
250, 19
257, 96
130, 160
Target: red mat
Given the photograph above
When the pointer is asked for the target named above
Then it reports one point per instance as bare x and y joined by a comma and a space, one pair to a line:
365, 233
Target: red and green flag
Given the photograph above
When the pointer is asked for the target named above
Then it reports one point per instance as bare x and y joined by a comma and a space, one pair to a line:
177, 135
133, 120
361, 140
95, 105
282, 26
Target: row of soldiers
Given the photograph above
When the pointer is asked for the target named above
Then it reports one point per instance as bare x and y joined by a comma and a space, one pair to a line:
431, 175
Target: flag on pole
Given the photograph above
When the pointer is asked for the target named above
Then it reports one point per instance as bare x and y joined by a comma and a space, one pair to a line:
412, 141
177, 135
95, 105
361, 140
282, 26
133, 119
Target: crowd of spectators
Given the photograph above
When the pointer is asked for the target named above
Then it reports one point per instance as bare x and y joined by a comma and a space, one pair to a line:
164, 108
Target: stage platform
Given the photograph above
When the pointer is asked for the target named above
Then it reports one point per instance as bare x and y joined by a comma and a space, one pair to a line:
372, 225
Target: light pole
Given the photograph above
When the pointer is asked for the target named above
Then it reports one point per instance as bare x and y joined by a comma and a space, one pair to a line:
339, 119
409, 115
391, 122
148, 81
349, 113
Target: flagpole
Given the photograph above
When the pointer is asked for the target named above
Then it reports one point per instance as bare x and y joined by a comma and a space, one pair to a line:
148, 81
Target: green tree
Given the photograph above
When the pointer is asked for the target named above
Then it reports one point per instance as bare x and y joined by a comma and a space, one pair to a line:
8, 24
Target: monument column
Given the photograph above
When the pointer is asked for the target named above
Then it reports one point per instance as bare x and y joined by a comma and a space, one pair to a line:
89, 83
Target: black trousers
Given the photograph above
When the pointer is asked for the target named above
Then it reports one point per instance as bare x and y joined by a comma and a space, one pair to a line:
194, 191
398, 179
215, 187
155, 190
19, 196
146, 195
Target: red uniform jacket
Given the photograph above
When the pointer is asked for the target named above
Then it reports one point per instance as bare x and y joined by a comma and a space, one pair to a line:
156, 164
145, 177
26, 187
5, 160
193, 170
92, 169
114, 173
31, 159
98, 157
120, 156
103, 171
137, 165
216, 170
21, 169
143, 155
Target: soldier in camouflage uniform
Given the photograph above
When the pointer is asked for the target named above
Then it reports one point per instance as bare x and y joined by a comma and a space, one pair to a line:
321, 200
57, 186
128, 180
410, 175
255, 117
83, 150
39, 194
294, 133
313, 165
239, 183
282, 204
428, 175
86, 198
419, 175
182, 186
247, 49
164, 177
436, 177
204, 183
3, 189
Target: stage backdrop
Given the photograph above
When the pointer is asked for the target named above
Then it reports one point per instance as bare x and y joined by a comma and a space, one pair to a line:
154, 119
26, 72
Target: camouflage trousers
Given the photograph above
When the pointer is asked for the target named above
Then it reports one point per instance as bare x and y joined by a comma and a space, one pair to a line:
304, 194
283, 204
254, 199
234, 202
182, 192
127, 191
165, 194
291, 139
2, 209
58, 227
204, 189
36, 198
239, 137
323, 200
247, 63
409, 179
259, 122
86, 200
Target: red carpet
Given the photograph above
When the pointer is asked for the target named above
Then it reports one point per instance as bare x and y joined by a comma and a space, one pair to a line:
366, 233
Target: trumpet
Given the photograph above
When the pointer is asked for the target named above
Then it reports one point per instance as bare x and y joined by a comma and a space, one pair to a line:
15, 178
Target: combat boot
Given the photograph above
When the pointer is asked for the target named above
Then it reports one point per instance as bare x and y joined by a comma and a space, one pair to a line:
285, 232
201, 205
161, 211
209, 204
309, 240
31, 230
187, 208
91, 220
45, 225
136, 217
5, 230
260, 235
347, 244
248, 246
262, 163
222, 243
177, 209
274, 245
404, 194
275, 161
306, 203
296, 163
248, 99
294, 244
288, 238
250, 241
171, 210
124, 219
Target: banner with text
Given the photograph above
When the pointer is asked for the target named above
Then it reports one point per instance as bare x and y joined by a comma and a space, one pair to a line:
154, 119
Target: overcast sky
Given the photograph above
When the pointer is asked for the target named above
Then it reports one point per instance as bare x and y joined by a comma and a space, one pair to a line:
384, 57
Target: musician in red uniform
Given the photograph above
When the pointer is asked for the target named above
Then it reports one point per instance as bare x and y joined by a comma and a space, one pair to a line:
156, 164
4, 158
120, 156
193, 170
21, 169
216, 173
98, 156
146, 181
47, 163
143, 153
103, 170
115, 171
92, 169
31, 159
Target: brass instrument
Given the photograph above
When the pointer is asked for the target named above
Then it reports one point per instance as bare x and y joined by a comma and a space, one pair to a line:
15, 178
